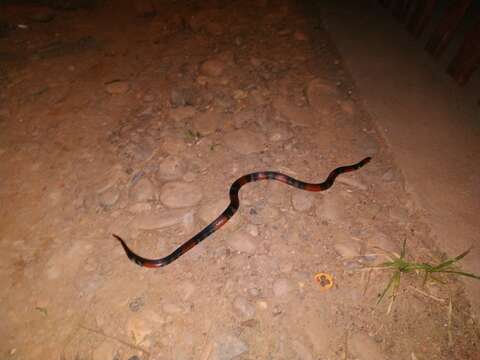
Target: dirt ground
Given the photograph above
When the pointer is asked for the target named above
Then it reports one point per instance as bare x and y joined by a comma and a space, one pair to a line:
111, 122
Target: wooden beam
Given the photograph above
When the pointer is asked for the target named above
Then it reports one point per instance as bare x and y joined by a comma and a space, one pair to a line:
401, 9
467, 59
386, 3
421, 16
442, 35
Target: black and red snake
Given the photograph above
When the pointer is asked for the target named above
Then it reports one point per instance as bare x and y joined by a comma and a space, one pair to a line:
233, 207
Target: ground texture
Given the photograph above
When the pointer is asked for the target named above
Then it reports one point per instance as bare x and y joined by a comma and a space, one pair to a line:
115, 123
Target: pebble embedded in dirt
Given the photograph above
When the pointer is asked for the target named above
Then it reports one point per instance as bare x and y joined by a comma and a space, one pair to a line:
182, 113
351, 181
117, 87
332, 208
300, 36
162, 219
180, 194
208, 122
282, 287
299, 116
243, 307
106, 350
302, 201
364, 347
347, 249
302, 351
245, 141
171, 308
181, 96
173, 144
109, 197
213, 68
136, 304
242, 242
261, 214
348, 107
322, 95
388, 176
279, 132
242, 118
171, 168
186, 289
142, 191
228, 347
138, 327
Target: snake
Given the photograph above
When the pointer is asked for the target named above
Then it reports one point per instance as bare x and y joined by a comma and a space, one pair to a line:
232, 208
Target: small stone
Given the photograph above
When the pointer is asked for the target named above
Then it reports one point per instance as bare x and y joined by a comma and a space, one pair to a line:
242, 118
142, 191
364, 347
109, 197
279, 132
189, 177
162, 219
282, 287
227, 347
186, 289
255, 61
261, 214
180, 97
348, 107
253, 291
350, 181
213, 68
182, 113
208, 122
106, 351
173, 144
347, 250
136, 304
332, 208
171, 308
251, 229
117, 87
243, 308
300, 36
245, 141
388, 176
321, 95
138, 329
302, 351
295, 115
302, 201
242, 242
180, 194
171, 168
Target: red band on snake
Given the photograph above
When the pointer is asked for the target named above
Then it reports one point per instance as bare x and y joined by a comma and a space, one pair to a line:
233, 207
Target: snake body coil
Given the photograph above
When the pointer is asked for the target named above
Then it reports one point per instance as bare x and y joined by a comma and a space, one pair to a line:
233, 207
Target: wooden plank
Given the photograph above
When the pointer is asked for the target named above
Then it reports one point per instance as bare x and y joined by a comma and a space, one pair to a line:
467, 59
442, 35
386, 3
421, 16
401, 9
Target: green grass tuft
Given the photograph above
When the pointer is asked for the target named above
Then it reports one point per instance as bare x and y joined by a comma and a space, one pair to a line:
400, 266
